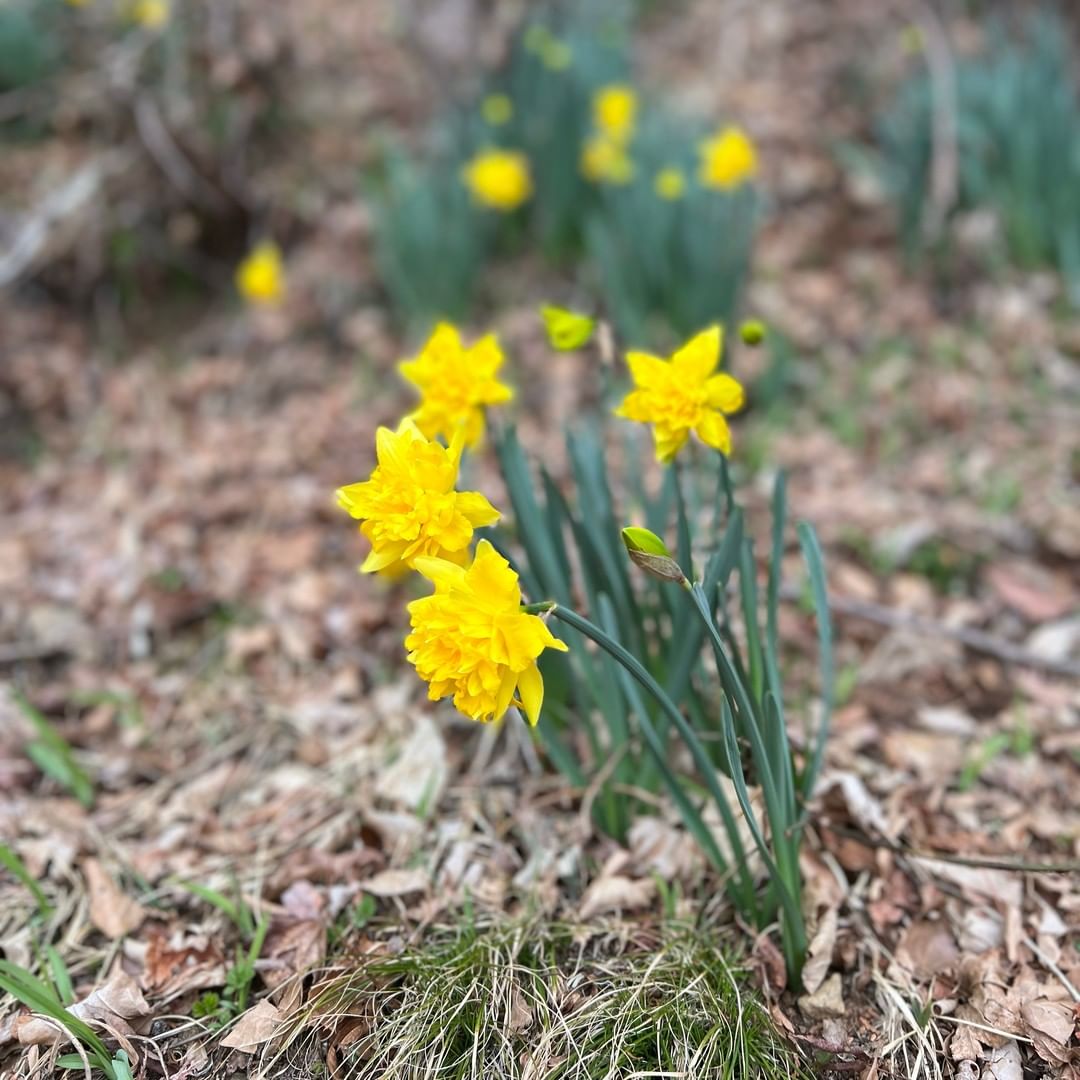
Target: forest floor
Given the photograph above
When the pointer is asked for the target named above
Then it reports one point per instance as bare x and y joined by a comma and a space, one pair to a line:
179, 601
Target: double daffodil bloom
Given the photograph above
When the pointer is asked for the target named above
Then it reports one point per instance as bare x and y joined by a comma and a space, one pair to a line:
471, 640
409, 506
261, 276
683, 394
615, 111
455, 384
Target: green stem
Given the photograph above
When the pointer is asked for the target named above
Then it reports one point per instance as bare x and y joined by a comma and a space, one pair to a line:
701, 758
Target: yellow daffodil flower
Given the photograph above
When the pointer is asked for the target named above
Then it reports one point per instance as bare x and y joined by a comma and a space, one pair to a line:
152, 14
261, 276
566, 330
470, 638
670, 184
728, 159
499, 179
497, 109
682, 394
455, 384
408, 505
606, 162
615, 111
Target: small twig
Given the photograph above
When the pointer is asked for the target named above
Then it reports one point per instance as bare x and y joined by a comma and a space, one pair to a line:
1062, 977
944, 160
976, 640
988, 862
165, 151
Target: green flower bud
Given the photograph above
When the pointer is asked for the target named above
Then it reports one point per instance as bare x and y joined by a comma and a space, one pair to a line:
648, 551
752, 332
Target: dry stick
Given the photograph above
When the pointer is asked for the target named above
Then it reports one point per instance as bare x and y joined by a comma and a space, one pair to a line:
989, 862
977, 640
944, 161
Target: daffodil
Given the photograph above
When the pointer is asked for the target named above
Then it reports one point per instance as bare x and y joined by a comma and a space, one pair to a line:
471, 640
408, 505
150, 13
455, 384
497, 109
683, 394
615, 111
728, 159
605, 161
499, 179
261, 276
670, 183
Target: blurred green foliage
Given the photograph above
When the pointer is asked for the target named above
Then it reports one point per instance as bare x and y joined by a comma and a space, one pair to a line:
1018, 144
665, 265
29, 47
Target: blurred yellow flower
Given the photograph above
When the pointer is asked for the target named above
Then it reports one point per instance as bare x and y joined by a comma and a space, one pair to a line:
670, 183
149, 13
682, 394
499, 179
604, 161
455, 384
497, 109
408, 505
261, 276
615, 111
728, 159
566, 330
470, 639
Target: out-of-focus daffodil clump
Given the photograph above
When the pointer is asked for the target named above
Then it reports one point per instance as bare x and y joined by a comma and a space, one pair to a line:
561, 154
610, 692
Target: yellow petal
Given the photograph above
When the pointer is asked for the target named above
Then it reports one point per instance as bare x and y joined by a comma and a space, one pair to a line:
724, 393
698, 358
713, 430
668, 443
530, 684
505, 694
647, 370
476, 508
439, 571
380, 560
391, 448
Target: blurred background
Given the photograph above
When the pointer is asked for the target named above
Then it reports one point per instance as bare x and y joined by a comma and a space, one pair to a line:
222, 223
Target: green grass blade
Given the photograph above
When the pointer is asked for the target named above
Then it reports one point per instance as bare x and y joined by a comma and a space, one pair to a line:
815, 565
61, 977
17, 867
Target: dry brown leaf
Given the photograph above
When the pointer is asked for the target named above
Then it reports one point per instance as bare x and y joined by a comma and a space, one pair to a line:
113, 913
820, 952
176, 965
292, 949
1050, 1025
616, 893
114, 1005
1003, 1063
396, 883
964, 1045
657, 846
254, 1027
827, 1001
418, 775
927, 948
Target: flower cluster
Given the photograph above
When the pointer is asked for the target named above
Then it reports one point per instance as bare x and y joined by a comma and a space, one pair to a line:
605, 156
472, 639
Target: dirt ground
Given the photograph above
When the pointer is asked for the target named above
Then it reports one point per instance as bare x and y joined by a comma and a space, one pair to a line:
178, 597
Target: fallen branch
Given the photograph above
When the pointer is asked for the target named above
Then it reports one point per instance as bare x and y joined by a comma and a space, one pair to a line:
976, 640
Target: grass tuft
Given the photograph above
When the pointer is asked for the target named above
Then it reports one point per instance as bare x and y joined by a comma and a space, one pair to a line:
542, 1002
